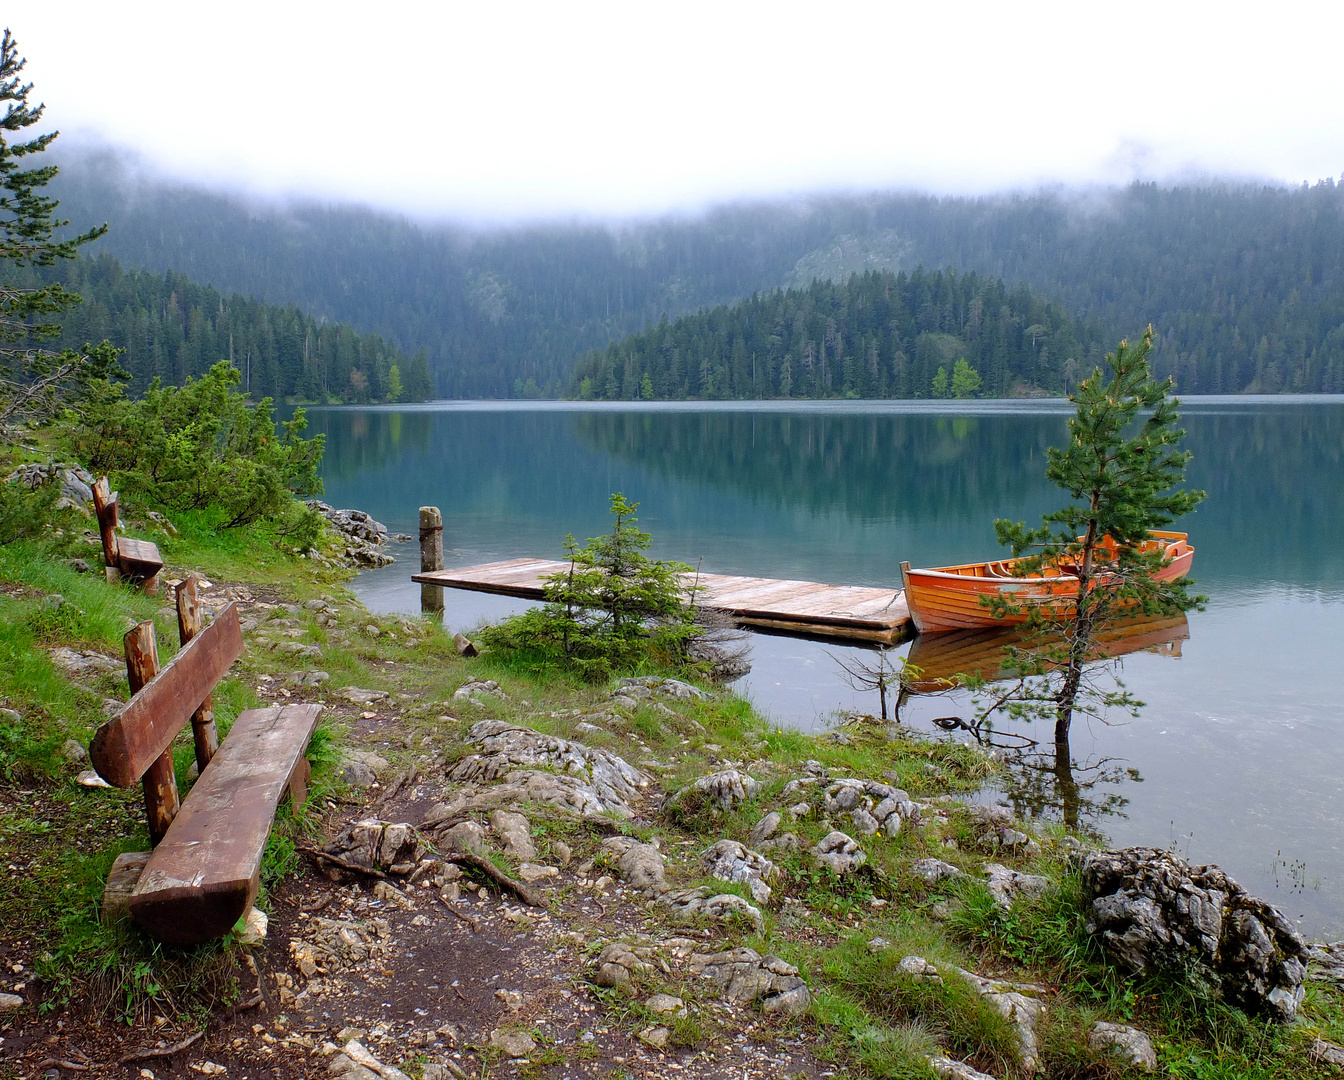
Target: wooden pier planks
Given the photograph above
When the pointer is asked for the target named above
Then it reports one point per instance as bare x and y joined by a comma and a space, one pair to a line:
855, 612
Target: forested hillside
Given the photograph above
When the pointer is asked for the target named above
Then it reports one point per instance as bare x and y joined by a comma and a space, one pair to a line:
876, 335
1245, 284
171, 327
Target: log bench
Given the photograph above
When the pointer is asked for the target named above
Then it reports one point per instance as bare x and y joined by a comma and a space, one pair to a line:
204, 870
137, 560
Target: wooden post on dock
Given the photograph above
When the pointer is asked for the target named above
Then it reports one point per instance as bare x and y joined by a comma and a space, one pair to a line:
431, 558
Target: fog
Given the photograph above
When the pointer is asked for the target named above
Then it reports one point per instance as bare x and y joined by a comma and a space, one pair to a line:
505, 113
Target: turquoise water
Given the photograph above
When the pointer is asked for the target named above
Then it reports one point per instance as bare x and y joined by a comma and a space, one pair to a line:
1237, 757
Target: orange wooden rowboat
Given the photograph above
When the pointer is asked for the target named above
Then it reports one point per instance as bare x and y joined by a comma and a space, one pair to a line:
949, 597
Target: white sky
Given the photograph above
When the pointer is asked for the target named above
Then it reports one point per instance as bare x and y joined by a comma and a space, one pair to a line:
504, 110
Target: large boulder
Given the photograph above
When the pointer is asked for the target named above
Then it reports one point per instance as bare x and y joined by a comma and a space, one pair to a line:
1152, 909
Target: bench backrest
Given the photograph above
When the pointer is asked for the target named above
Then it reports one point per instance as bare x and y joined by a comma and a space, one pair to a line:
128, 744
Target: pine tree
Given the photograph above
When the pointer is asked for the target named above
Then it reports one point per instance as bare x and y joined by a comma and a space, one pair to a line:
34, 380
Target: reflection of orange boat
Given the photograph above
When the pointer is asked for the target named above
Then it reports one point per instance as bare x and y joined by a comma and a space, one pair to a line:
942, 657
949, 597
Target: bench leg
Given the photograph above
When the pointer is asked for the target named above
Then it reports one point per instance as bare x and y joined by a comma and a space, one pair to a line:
112, 573
298, 783
161, 798
121, 881
150, 586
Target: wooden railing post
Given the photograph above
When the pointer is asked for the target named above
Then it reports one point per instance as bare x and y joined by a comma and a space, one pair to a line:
159, 781
203, 730
431, 558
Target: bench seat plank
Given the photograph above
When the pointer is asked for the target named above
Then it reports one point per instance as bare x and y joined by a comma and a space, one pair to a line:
204, 874
128, 744
138, 558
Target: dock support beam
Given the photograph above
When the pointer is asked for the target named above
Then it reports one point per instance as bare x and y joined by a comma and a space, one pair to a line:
431, 558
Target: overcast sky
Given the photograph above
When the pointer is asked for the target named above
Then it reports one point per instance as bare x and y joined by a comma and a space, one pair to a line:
519, 110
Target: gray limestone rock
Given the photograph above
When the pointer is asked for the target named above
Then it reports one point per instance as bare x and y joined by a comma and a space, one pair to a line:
698, 902
617, 962
639, 864
465, 836
1326, 962
919, 969
360, 768
10, 1003
79, 663
356, 696
389, 847
1327, 1052
839, 853
948, 1069
729, 860
674, 689
354, 1062
515, 833
1130, 1043
765, 828
1006, 885
616, 785
745, 976
1153, 909
725, 789
515, 1044
871, 805
1019, 1004
73, 751
935, 870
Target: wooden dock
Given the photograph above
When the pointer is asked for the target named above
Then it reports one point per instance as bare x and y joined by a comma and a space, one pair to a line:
852, 612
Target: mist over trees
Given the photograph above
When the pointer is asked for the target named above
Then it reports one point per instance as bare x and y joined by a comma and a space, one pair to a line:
876, 335
1244, 284
173, 328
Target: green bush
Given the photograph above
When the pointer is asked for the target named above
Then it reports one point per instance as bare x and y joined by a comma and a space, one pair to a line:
199, 446
612, 608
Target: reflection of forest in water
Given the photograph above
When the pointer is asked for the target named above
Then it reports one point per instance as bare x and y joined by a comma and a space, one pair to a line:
1274, 473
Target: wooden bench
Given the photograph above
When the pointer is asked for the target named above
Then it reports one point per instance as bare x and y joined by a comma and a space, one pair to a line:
137, 560
203, 873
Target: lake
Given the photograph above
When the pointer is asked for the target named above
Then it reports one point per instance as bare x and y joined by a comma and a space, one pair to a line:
1238, 756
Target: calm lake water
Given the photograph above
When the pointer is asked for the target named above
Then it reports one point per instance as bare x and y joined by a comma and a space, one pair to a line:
1238, 757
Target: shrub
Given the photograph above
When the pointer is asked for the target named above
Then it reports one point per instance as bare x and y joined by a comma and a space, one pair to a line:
199, 446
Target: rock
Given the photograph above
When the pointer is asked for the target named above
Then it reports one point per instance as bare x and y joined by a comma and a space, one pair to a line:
641, 865
81, 663
515, 833
615, 785
728, 860
89, 778
73, 751
956, 1070
564, 854
354, 1062
1006, 885
839, 853
919, 969
531, 872
668, 688
1153, 909
307, 678
1131, 1043
1017, 1003
379, 845
663, 1003
465, 836
871, 805
356, 696
935, 870
617, 962
79, 566
11, 716
512, 999
360, 768
692, 903
765, 828
473, 689
785, 842
1326, 1052
991, 815
725, 790
656, 1036
10, 1003
1326, 962
744, 976
255, 925
465, 646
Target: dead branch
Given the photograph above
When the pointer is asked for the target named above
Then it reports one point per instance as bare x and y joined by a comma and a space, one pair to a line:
344, 864
495, 874
163, 1051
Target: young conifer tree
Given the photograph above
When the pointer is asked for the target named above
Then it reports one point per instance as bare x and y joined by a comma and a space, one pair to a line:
1123, 470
